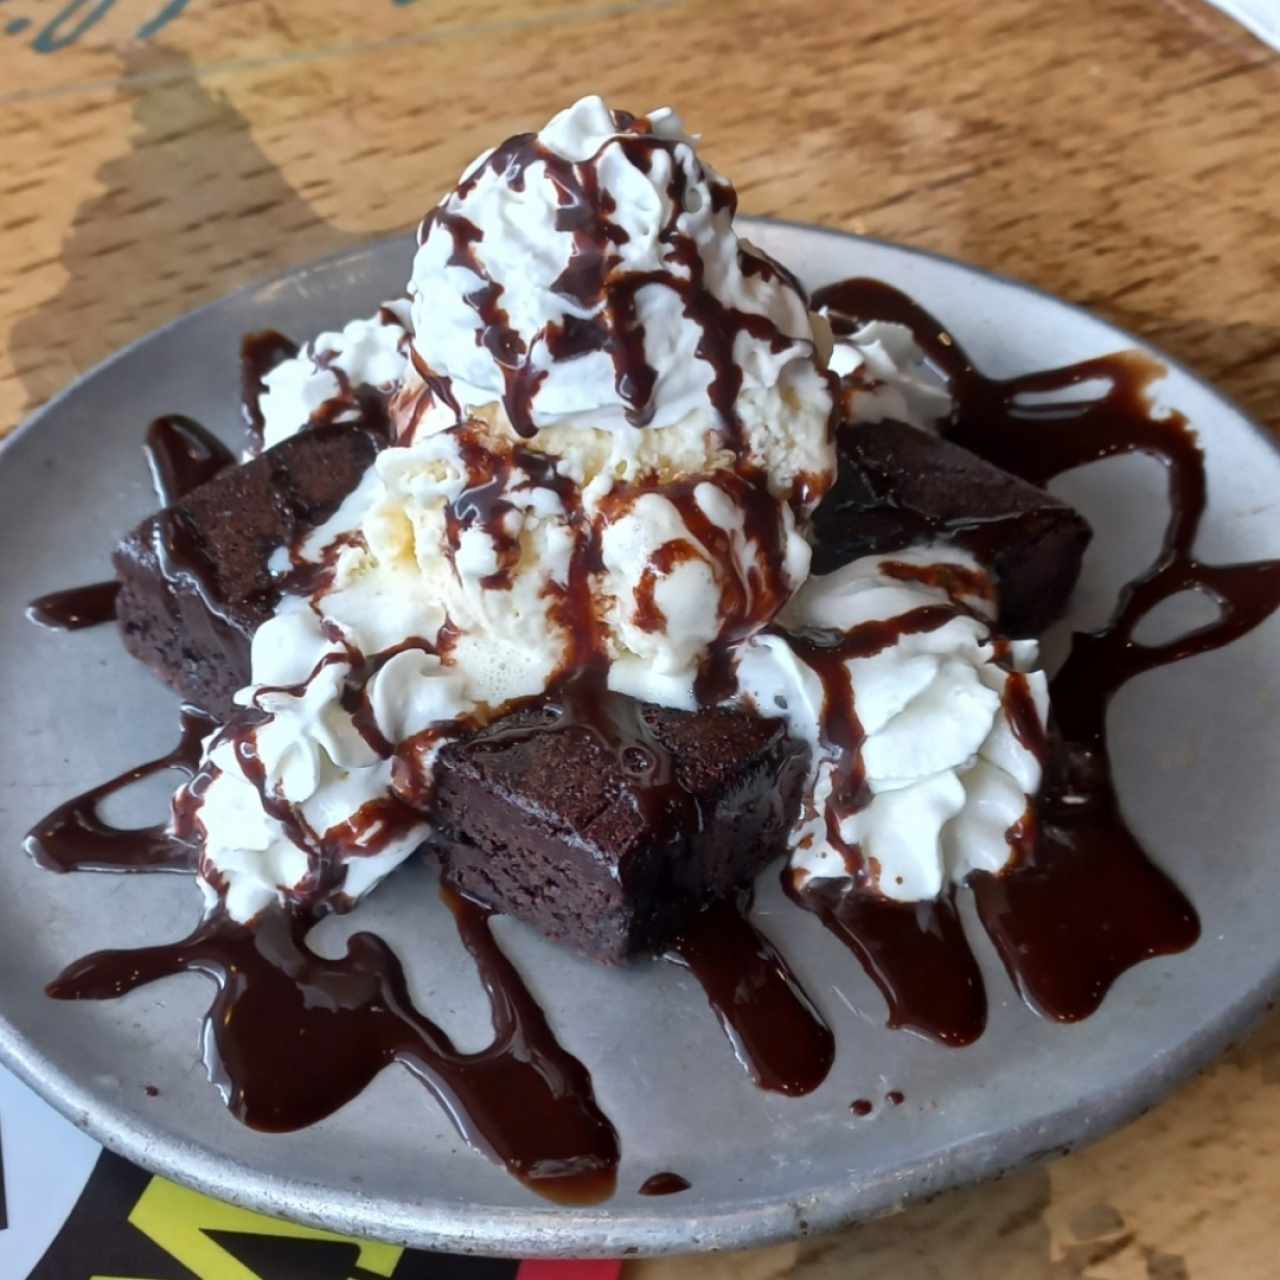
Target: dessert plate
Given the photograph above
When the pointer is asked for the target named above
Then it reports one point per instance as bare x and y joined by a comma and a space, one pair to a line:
1195, 756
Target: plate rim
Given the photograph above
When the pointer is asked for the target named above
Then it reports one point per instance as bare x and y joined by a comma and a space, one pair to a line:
549, 1231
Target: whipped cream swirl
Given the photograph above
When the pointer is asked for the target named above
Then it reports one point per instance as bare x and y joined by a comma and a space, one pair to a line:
320, 382
884, 375
297, 801
888, 668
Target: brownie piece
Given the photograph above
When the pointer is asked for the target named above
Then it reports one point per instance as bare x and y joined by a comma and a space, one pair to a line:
606, 823
897, 485
195, 582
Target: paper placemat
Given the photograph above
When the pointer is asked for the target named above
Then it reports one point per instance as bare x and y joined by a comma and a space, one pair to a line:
70, 1210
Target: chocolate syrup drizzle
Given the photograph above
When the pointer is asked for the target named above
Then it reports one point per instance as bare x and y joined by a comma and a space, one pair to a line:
828, 654
524, 1100
368, 831
74, 838
181, 454
776, 1030
295, 1035
592, 280
281, 1009
259, 354
1082, 902
292, 1036
915, 952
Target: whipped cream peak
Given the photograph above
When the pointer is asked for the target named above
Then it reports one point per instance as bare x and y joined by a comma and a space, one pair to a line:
590, 275
581, 131
884, 374
320, 383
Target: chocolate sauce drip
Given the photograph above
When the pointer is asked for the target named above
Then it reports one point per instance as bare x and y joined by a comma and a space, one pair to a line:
182, 455
357, 703
745, 604
488, 500
955, 580
1082, 903
74, 838
76, 607
664, 1184
746, 600
292, 1036
490, 496
828, 655
496, 334
915, 952
437, 387
592, 280
717, 678
372, 404
259, 354
776, 1031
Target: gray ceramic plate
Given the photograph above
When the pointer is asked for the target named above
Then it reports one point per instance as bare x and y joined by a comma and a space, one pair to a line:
1196, 752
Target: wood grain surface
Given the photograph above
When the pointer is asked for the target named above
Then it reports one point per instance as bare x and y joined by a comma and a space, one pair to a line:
1124, 154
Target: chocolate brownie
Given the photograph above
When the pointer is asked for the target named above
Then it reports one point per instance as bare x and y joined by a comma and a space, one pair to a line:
195, 582
605, 823
897, 485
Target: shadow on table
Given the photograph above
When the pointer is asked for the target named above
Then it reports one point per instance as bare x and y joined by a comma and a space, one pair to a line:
190, 210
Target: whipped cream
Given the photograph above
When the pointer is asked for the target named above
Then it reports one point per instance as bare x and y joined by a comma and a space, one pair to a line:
298, 802
610, 230
944, 773
318, 384
884, 375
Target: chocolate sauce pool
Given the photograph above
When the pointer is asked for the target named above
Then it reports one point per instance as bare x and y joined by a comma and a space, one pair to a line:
291, 1036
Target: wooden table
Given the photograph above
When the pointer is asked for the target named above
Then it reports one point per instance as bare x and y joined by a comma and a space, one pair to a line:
1121, 153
